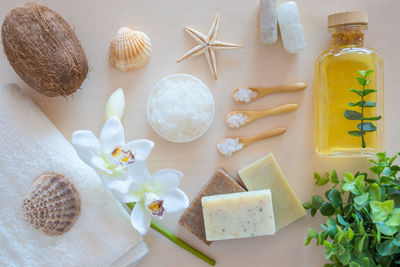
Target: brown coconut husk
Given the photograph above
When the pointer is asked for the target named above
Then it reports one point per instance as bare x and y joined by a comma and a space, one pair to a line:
44, 50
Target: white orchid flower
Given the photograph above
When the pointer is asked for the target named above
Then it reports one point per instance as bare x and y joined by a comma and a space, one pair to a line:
111, 156
154, 196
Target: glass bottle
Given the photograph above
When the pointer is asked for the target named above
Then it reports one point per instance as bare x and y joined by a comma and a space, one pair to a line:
347, 112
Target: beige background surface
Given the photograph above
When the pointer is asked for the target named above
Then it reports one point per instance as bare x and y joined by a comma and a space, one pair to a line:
97, 21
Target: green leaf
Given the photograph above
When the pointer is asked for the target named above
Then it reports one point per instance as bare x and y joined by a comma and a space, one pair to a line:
312, 233
368, 72
334, 177
352, 115
342, 221
394, 219
349, 235
348, 177
360, 243
367, 127
335, 197
313, 212
316, 201
359, 103
307, 241
361, 199
386, 229
368, 91
307, 205
368, 104
362, 73
354, 264
365, 262
375, 192
358, 92
345, 257
377, 118
377, 169
396, 240
363, 81
320, 180
381, 210
331, 227
327, 209
360, 184
356, 133
328, 249
386, 248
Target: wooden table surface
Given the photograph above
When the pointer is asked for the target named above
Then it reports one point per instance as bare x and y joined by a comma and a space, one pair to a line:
95, 23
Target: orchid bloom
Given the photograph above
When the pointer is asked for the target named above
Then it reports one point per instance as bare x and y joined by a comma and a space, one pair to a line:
111, 156
153, 196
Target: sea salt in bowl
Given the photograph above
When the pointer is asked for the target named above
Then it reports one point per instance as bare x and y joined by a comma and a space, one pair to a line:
180, 108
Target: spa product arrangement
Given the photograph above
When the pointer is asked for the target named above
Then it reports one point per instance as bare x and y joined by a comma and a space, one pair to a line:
208, 45
288, 19
129, 49
43, 50
180, 108
349, 75
62, 198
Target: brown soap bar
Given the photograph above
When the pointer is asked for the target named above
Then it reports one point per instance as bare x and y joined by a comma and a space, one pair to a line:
192, 218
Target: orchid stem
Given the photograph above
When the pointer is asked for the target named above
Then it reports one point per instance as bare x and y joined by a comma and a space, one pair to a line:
179, 242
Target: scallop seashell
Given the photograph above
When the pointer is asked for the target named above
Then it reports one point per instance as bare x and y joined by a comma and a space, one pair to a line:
52, 205
129, 50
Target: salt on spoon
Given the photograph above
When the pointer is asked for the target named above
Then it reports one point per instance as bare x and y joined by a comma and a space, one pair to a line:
237, 119
246, 95
230, 145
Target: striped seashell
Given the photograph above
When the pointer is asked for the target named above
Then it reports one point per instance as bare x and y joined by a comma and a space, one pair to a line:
52, 205
129, 50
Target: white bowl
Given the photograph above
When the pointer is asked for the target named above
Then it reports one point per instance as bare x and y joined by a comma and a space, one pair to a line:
151, 96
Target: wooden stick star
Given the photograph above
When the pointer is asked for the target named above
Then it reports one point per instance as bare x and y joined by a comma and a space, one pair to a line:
207, 46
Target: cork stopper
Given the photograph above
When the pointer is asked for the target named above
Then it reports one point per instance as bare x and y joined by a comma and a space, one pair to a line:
348, 17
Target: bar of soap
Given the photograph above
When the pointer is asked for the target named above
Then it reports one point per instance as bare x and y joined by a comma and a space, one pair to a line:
268, 22
266, 173
192, 218
238, 215
290, 27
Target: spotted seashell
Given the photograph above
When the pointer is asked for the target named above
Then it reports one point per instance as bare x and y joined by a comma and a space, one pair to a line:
52, 205
129, 49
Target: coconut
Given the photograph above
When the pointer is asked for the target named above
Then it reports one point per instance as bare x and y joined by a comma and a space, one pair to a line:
43, 50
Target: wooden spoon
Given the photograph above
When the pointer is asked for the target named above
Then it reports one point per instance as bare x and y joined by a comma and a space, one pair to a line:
263, 91
256, 114
240, 142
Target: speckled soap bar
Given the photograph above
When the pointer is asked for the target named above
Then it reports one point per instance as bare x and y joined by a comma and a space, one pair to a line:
192, 218
238, 215
266, 173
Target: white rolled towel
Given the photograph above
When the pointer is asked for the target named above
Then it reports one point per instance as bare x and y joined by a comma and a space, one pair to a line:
31, 145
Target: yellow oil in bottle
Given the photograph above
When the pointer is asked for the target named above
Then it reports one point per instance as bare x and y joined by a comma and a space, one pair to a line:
336, 72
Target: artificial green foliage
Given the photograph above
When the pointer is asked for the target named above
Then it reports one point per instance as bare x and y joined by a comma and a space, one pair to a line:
365, 125
362, 228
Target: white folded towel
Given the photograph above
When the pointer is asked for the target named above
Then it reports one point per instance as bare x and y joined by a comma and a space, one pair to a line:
29, 146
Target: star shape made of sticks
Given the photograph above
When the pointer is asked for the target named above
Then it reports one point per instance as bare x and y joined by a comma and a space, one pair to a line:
207, 46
